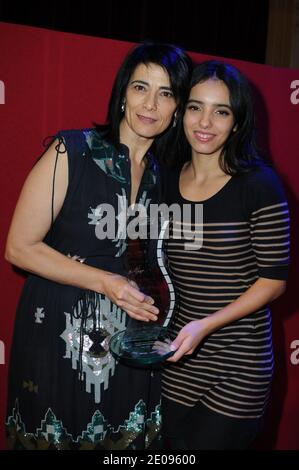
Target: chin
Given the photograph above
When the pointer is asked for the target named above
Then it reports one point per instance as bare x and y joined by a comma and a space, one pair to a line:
147, 135
149, 132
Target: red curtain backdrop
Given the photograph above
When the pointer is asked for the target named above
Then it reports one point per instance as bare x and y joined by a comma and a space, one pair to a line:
51, 81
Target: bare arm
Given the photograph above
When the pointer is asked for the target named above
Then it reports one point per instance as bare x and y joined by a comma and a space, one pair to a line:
259, 294
31, 222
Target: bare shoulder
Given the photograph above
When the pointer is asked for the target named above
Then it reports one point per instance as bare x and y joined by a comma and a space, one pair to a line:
36, 196
56, 153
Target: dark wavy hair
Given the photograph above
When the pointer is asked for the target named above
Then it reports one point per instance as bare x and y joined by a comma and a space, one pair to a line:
240, 152
177, 64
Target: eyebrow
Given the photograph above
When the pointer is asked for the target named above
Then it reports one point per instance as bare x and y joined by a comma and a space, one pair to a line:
146, 83
216, 105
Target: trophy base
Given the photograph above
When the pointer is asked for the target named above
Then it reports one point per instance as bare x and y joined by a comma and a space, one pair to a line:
141, 345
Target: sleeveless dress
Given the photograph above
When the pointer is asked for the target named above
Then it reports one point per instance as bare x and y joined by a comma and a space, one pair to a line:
66, 391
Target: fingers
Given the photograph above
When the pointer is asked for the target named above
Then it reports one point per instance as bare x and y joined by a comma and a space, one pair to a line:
149, 300
135, 316
134, 291
126, 294
142, 311
177, 356
133, 283
181, 350
162, 347
138, 305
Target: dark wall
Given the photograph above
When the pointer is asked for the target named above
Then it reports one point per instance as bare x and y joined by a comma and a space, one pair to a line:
229, 28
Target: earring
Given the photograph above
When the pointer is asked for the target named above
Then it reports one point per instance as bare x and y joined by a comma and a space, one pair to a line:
174, 120
123, 105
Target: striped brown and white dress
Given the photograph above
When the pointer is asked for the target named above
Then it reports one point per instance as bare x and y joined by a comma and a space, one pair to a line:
245, 236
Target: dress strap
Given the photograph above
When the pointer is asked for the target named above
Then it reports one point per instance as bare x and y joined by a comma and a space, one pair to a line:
46, 143
58, 151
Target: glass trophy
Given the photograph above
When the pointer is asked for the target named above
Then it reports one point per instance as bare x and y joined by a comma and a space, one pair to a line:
144, 343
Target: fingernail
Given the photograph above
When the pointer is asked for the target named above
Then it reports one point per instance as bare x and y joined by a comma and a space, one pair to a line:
173, 347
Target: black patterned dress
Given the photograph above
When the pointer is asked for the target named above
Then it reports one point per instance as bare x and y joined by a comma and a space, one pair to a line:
66, 391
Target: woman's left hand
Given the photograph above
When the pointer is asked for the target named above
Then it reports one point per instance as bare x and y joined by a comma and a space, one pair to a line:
188, 339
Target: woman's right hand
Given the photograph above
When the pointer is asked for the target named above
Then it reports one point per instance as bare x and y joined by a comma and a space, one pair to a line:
32, 221
126, 295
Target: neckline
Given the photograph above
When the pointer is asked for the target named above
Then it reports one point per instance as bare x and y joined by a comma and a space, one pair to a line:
203, 200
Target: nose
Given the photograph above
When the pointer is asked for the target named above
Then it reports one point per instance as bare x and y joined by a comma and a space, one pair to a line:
150, 102
205, 119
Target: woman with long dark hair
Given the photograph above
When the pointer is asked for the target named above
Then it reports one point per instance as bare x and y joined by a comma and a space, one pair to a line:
217, 384
66, 391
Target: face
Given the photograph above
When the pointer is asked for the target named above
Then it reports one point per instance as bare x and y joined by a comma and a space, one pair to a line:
149, 102
208, 119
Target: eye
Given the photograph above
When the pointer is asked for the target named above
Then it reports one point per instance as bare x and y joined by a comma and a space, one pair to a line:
223, 112
193, 107
167, 94
139, 87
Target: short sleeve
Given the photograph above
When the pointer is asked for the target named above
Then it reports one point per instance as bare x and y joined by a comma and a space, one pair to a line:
269, 223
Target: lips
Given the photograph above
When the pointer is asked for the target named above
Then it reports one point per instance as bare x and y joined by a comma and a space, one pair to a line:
145, 119
203, 136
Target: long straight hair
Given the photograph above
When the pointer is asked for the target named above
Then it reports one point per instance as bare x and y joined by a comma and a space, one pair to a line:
240, 152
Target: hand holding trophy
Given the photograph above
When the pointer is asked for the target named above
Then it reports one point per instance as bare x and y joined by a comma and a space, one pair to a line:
144, 343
